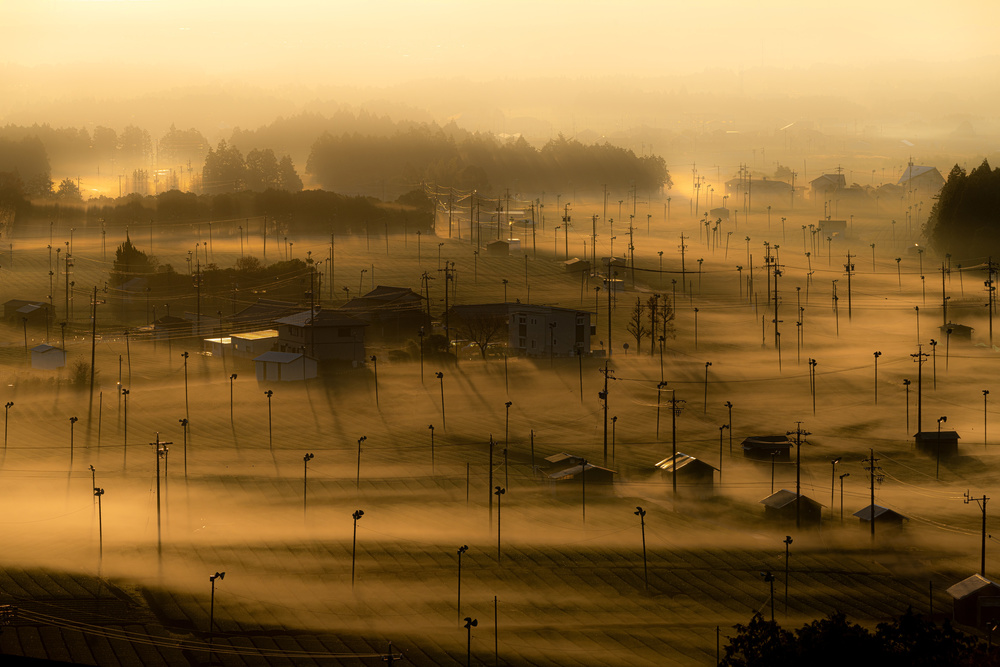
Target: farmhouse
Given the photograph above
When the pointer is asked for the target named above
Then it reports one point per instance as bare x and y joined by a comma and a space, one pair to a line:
326, 335
47, 357
761, 447
691, 472
780, 507
16, 311
976, 601
944, 443
284, 367
392, 313
883, 517
959, 331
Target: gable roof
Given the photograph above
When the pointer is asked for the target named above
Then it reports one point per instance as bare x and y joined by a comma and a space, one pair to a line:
970, 585
933, 435
322, 318
279, 357
784, 498
836, 180
682, 460
913, 171
865, 513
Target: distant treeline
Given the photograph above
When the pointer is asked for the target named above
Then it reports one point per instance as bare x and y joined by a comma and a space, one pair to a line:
314, 211
427, 154
964, 219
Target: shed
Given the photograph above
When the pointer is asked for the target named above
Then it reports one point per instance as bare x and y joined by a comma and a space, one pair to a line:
944, 443
760, 447
957, 330
719, 214
561, 460
576, 473
976, 601
16, 311
690, 471
284, 367
883, 517
253, 343
217, 347
47, 357
780, 506
498, 249
576, 265
832, 228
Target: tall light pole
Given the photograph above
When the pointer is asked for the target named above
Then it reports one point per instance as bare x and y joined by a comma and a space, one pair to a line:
358, 481
125, 393
906, 385
986, 392
431, 428
769, 578
846, 474
184, 428
6, 415
420, 335
937, 468
876, 355
231, 379
270, 442
498, 492
72, 423
440, 376
374, 361
469, 624
982, 505
100, 524
187, 410
211, 613
354, 543
721, 429
707, 364
458, 606
787, 541
305, 476
641, 513
833, 475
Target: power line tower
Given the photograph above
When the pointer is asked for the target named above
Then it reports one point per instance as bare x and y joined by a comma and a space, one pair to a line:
875, 474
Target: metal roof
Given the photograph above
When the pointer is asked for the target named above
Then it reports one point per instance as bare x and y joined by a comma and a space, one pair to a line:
681, 461
970, 585
865, 513
257, 335
785, 498
279, 357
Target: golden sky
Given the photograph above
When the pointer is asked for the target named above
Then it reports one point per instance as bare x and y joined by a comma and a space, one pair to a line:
385, 42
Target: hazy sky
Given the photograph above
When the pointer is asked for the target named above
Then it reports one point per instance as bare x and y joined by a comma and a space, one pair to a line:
353, 42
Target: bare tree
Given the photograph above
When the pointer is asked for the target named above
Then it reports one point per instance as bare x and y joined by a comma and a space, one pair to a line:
667, 317
636, 325
481, 327
653, 305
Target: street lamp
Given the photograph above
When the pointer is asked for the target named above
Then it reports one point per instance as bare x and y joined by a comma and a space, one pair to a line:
72, 423
458, 607
374, 361
846, 474
707, 364
421, 334
833, 474
231, 378
100, 523
469, 624
937, 469
877, 355
431, 427
986, 392
358, 481
498, 492
305, 473
6, 414
906, 384
354, 545
787, 541
270, 442
721, 429
187, 410
125, 393
641, 513
440, 376
184, 427
211, 613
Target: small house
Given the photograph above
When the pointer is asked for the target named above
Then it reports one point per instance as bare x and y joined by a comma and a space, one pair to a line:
576, 265
762, 447
832, 228
560, 461
498, 249
883, 516
944, 443
252, 344
781, 507
692, 473
582, 472
16, 311
217, 347
976, 601
719, 214
958, 331
284, 367
47, 357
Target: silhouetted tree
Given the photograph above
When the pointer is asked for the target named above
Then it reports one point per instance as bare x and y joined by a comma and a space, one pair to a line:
68, 190
129, 263
963, 221
637, 325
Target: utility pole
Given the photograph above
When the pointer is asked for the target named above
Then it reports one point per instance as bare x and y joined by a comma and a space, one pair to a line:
874, 475
799, 434
159, 449
604, 397
919, 358
982, 505
683, 247
849, 267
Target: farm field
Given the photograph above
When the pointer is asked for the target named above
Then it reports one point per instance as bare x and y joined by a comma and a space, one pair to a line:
565, 582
